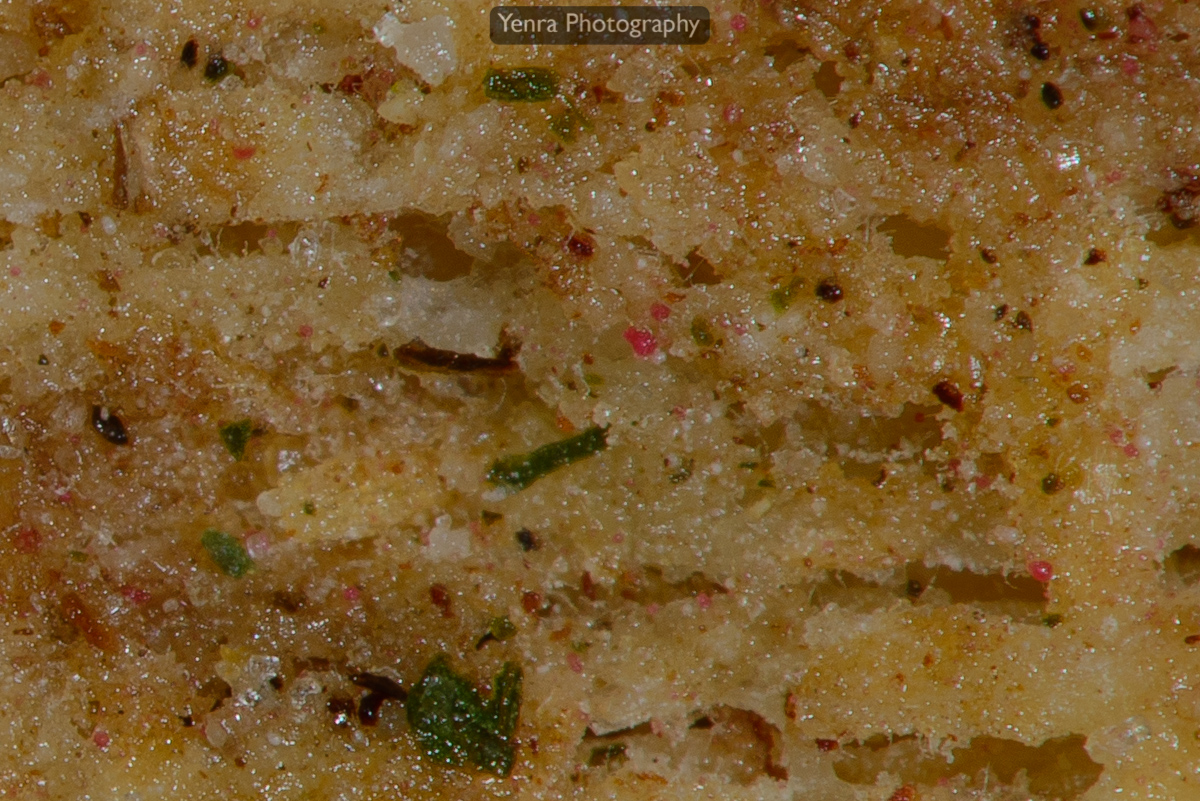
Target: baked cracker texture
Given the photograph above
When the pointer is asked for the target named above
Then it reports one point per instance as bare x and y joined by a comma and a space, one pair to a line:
808, 414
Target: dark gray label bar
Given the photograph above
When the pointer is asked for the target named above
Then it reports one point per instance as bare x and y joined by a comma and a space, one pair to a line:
600, 25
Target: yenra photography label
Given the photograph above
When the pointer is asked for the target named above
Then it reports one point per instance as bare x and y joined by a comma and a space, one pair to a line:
600, 25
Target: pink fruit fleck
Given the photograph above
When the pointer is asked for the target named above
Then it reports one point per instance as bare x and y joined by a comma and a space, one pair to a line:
642, 341
1040, 570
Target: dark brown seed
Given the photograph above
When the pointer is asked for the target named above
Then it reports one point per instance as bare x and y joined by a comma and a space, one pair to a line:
440, 596
216, 68
1040, 51
531, 602
581, 245
1095, 256
190, 51
1023, 321
527, 540
1078, 393
1192, 639
948, 393
829, 292
342, 708
1032, 22
914, 589
418, 356
1052, 483
380, 685
587, 586
1001, 311
368, 709
989, 255
109, 426
76, 612
1089, 18
1052, 96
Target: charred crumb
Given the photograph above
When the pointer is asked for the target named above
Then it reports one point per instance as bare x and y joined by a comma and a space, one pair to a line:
190, 53
914, 589
1052, 96
109, 426
949, 394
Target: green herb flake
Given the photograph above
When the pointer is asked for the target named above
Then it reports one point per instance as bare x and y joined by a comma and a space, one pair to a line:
567, 125
603, 755
308, 508
782, 297
455, 726
236, 436
228, 552
77, 556
520, 84
683, 473
518, 471
702, 333
395, 275
501, 628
